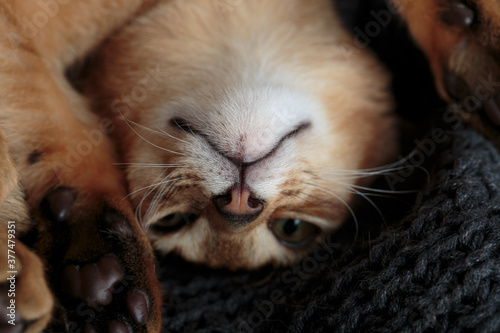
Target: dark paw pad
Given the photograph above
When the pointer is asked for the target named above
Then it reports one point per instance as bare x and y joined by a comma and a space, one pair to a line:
93, 283
57, 204
105, 279
101, 285
118, 327
138, 306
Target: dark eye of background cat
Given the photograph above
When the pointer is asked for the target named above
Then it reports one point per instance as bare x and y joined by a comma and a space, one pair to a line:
173, 222
294, 233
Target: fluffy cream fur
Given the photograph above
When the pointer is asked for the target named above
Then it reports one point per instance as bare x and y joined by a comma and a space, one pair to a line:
243, 77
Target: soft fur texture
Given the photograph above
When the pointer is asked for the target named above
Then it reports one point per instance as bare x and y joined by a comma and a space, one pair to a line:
434, 270
263, 99
81, 222
270, 105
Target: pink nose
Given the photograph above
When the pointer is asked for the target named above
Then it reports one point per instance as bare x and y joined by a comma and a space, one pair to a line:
239, 202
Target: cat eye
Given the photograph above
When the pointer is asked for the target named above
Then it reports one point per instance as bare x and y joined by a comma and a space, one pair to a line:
173, 222
294, 233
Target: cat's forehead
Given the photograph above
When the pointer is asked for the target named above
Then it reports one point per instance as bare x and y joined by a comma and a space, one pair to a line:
249, 249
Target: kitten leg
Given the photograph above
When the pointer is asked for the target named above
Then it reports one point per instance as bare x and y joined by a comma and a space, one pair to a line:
100, 264
25, 299
24, 293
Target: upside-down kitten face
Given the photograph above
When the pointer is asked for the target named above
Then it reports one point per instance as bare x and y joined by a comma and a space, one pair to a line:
245, 124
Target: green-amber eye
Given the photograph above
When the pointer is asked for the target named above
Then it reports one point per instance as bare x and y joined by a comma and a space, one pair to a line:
173, 222
294, 233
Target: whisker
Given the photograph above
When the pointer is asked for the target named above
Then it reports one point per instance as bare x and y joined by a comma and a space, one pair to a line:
146, 140
153, 206
138, 210
355, 173
375, 190
395, 165
402, 164
160, 132
150, 165
153, 185
171, 136
351, 211
370, 201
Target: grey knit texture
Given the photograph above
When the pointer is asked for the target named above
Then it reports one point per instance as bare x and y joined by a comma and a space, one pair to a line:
436, 270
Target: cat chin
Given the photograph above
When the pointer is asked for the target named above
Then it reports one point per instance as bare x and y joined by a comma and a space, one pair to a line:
243, 126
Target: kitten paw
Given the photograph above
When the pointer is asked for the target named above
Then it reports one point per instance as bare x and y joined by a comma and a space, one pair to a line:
104, 267
101, 284
26, 302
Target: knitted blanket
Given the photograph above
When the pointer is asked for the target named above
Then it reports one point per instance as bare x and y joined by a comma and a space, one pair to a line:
424, 262
438, 269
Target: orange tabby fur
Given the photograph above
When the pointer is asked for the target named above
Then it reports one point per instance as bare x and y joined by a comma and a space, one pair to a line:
286, 56
205, 63
43, 120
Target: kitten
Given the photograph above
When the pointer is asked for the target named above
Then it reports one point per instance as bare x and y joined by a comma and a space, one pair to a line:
243, 126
